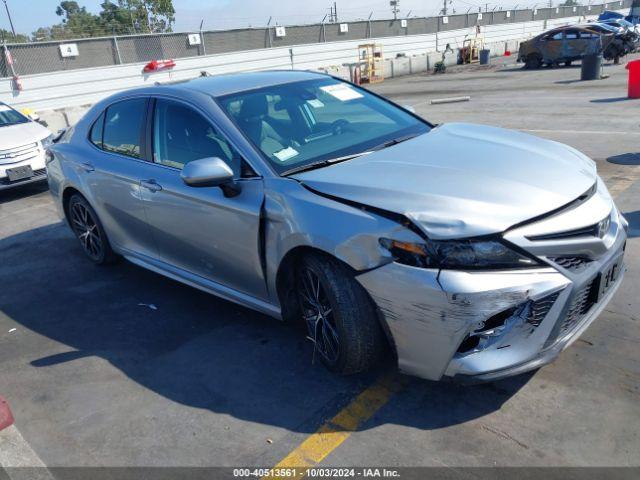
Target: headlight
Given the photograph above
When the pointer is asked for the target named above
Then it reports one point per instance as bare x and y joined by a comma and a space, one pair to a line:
459, 254
47, 142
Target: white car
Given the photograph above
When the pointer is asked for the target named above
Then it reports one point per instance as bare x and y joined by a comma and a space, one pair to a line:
22, 148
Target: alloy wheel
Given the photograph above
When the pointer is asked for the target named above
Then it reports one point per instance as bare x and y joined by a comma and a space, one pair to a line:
87, 231
319, 316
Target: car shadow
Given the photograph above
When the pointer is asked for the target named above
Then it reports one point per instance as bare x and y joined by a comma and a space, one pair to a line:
634, 223
23, 191
193, 348
625, 159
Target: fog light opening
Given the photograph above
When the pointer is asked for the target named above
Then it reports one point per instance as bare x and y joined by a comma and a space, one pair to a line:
490, 327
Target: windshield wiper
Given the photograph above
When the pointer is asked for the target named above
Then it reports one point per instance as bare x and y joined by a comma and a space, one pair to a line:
322, 163
395, 141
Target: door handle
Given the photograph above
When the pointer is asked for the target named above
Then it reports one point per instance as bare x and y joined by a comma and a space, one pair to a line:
151, 185
87, 167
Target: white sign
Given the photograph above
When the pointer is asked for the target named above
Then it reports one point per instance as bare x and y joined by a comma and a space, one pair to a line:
69, 50
575, 8
341, 91
403, 23
535, 11
589, 8
557, 10
479, 16
194, 39
445, 19
281, 32
508, 13
344, 27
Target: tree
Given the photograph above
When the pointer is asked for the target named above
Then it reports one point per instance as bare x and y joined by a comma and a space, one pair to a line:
569, 3
115, 17
7, 36
141, 15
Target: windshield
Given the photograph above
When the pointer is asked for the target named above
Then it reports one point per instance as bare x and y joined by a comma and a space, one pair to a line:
306, 123
9, 116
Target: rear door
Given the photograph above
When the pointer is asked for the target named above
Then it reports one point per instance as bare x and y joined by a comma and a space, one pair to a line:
199, 229
574, 45
113, 174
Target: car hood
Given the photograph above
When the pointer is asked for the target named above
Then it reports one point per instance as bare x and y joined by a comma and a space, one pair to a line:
13, 136
461, 180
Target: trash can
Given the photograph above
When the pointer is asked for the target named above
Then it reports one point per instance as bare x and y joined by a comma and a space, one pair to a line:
484, 56
634, 78
591, 67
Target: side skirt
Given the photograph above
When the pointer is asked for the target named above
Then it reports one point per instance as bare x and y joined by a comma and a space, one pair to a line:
202, 283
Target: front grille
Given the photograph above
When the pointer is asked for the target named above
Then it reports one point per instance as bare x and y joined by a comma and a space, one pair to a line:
19, 154
36, 173
590, 231
571, 263
581, 304
540, 308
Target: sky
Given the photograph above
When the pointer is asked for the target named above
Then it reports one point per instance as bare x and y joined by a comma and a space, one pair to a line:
28, 15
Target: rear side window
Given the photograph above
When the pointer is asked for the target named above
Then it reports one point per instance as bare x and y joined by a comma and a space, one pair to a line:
123, 127
96, 131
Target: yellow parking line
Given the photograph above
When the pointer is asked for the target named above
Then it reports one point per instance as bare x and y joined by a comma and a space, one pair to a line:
335, 431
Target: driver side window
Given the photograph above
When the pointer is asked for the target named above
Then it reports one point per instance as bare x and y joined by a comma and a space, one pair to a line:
181, 135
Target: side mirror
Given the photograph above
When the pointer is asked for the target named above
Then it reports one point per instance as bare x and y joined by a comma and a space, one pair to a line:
409, 108
210, 172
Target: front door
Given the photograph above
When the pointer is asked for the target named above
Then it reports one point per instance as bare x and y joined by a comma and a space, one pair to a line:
199, 229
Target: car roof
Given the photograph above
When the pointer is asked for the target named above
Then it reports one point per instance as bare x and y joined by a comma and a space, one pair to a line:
220, 85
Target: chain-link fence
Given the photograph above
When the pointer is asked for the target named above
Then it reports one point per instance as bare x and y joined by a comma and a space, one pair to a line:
44, 57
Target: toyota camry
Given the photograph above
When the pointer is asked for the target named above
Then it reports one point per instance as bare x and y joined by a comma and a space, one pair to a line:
468, 251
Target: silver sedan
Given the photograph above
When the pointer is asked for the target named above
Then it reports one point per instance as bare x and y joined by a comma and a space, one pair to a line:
467, 251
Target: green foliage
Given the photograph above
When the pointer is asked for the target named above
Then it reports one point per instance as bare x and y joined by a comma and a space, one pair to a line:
116, 17
9, 38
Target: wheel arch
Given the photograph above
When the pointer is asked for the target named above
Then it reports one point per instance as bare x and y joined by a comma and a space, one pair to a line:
286, 296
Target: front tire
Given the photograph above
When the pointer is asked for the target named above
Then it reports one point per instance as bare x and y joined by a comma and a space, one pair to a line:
89, 231
340, 318
533, 61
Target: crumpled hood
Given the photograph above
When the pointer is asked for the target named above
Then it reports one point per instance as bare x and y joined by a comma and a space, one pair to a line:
462, 180
13, 136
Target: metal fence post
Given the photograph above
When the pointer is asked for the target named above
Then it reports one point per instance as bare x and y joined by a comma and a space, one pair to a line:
291, 58
204, 46
117, 47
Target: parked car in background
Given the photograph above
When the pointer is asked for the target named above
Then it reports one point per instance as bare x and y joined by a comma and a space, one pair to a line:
22, 148
563, 45
621, 22
633, 17
625, 41
470, 251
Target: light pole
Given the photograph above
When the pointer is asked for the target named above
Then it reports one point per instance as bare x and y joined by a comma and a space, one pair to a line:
9, 15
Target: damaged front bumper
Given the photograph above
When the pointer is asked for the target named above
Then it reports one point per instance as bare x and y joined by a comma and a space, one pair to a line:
482, 326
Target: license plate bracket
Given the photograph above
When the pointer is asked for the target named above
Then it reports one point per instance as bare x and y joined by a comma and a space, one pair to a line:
608, 277
19, 173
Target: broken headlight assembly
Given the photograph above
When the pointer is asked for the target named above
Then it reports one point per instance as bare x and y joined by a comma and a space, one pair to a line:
486, 254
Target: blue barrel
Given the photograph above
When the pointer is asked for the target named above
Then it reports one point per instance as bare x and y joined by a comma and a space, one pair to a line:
484, 56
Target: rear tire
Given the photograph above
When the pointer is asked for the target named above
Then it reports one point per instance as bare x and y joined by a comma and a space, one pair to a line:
533, 61
86, 225
340, 318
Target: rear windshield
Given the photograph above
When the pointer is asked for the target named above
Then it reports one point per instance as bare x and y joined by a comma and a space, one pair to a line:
9, 116
301, 123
